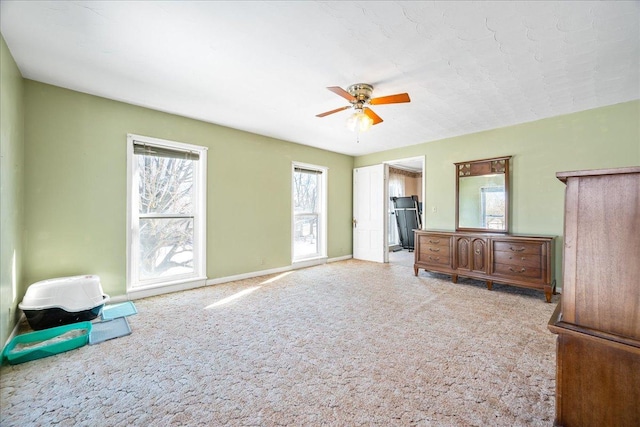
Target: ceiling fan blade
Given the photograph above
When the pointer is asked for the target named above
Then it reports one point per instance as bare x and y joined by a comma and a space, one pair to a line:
391, 99
333, 111
343, 93
373, 116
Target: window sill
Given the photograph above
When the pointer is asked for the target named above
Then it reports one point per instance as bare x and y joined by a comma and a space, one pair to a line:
165, 287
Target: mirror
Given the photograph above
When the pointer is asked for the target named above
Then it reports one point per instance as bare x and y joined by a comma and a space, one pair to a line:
482, 195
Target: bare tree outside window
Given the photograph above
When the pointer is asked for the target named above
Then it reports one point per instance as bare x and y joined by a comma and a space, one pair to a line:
306, 206
305, 190
493, 207
166, 209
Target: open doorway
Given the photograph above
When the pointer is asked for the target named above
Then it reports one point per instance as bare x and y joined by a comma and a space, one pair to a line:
404, 208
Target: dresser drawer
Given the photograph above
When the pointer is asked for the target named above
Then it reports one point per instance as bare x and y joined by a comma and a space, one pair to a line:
517, 272
435, 259
520, 259
516, 247
434, 240
426, 250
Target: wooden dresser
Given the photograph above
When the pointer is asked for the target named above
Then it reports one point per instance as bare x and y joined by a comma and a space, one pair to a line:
525, 261
598, 318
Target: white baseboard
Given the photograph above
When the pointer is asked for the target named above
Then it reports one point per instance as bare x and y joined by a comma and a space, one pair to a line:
340, 258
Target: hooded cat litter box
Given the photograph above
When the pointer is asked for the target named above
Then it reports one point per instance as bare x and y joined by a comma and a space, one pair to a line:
62, 301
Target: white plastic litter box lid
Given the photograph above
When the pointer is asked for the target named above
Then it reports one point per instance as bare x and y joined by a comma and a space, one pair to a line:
75, 293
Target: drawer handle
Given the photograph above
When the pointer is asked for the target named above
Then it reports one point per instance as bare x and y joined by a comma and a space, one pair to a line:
477, 251
434, 242
434, 250
522, 270
434, 258
517, 249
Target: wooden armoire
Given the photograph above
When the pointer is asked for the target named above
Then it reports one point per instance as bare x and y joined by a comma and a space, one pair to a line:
598, 318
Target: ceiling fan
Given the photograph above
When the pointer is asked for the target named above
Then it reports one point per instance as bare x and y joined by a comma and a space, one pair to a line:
359, 95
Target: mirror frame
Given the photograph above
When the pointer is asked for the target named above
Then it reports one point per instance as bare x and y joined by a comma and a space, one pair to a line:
495, 165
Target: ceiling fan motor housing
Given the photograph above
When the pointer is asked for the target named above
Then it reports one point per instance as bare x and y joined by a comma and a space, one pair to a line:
361, 91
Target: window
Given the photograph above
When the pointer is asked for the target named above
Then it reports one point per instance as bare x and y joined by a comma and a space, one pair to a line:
166, 236
309, 211
493, 207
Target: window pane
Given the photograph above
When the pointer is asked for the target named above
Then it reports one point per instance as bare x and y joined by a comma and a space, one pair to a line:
166, 247
165, 185
306, 236
493, 204
308, 212
305, 191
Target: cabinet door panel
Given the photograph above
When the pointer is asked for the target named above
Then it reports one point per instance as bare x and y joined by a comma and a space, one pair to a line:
471, 254
479, 255
463, 260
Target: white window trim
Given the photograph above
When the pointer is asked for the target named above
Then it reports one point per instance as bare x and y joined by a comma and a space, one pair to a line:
198, 277
322, 233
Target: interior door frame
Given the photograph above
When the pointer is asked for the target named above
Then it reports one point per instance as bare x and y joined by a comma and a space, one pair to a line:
397, 162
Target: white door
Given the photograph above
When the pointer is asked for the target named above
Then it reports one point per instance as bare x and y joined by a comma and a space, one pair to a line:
369, 215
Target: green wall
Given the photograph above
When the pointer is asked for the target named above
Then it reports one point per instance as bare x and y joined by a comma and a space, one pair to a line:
11, 188
606, 137
75, 174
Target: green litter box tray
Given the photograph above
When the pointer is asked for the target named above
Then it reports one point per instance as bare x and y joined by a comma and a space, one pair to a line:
47, 342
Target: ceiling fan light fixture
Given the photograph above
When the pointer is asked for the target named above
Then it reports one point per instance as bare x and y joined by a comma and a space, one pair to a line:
359, 121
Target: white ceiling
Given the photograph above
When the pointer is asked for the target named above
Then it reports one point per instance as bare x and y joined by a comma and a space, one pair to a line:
264, 66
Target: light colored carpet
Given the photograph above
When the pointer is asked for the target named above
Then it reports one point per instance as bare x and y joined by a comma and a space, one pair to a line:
402, 257
344, 344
